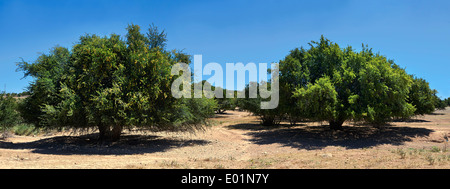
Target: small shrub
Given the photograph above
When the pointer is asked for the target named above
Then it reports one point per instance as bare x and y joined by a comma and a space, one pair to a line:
8, 114
402, 153
25, 129
435, 149
431, 160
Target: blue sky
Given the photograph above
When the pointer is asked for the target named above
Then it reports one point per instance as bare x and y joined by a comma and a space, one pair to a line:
416, 34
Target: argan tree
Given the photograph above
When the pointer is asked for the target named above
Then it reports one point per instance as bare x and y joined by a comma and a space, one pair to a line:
334, 84
111, 83
422, 97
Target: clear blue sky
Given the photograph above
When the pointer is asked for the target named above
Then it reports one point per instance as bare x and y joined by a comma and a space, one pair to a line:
416, 34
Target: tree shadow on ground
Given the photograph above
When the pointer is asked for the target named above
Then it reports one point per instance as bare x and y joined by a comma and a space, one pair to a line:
319, 137
256, 126
436, 113
222, 115
89, 145
410, 120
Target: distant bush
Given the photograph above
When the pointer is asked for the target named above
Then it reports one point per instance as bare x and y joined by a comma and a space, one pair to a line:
25, 129
268, 117
9, 116
224, 103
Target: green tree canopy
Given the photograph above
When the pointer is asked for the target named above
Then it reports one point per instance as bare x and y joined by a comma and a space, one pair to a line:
110, 83
8, 111
423, 98
334, 84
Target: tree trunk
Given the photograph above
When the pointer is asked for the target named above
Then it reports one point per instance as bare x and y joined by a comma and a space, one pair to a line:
267, 121
106, 134
336, 125
103, 132
116, 132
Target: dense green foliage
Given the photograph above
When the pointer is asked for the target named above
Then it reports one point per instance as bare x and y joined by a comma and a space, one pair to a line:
447, 101
9, 116
224, 104
424, 99
110, 83
334, 84
346, 85
267, 116
440, 104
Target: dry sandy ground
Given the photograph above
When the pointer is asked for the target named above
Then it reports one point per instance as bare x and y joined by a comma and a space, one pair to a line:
236, 140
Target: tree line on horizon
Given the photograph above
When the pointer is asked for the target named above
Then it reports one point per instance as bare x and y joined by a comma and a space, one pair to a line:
112, 83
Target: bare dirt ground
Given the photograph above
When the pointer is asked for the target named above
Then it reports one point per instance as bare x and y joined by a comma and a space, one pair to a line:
236, 140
